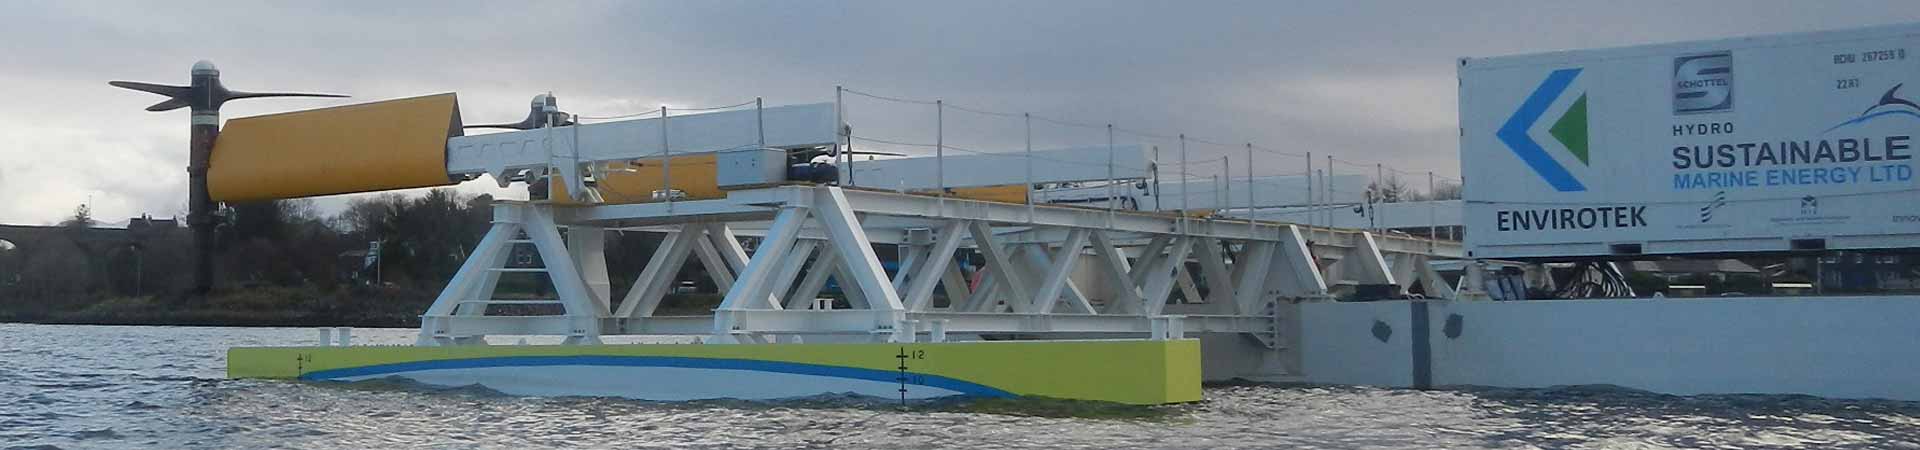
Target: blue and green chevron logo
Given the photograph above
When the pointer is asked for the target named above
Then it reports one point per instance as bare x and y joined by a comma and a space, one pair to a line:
1570, 130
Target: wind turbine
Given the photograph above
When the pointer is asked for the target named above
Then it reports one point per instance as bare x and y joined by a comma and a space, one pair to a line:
204, 96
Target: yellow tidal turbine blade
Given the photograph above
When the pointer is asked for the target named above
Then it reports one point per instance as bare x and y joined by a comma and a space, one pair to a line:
393, 144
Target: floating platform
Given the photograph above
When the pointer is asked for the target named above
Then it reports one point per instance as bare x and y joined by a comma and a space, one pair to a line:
1156, 371
967, 265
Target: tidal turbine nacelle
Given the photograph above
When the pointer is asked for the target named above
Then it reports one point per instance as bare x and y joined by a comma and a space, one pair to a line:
544, 111
546, 103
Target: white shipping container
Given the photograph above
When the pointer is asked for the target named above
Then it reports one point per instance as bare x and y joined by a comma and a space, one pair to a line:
1798, 141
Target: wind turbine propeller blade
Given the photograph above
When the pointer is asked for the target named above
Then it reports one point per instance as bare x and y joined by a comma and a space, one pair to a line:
240, 95
169, 105
170, 91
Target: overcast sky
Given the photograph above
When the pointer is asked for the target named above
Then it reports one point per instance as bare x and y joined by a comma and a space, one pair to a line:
1367, 81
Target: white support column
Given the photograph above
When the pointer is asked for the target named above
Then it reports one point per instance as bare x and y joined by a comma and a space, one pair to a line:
661, 273
1366, 263
1074, 297
1059, 271
937, 330
933, 268
1436, 286
1161, 278
910, 255
472, 273
567, 283
1253, 265
1213, 265
843, 275
1000, 263
1298, 275
474, 280
1149, 257
1403, 268
983, 295
717, 268
790, 270
856, 251
588, 246
1117, 271
1237, 271
955, 285
490, 279
728, 245
1188, 290
823, 268
752, 289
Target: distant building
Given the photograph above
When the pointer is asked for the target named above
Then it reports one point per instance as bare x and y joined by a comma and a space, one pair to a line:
146, 226
1867, 272
1680, 269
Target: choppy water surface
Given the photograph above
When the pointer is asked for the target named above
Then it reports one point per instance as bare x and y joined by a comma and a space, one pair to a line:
77, 387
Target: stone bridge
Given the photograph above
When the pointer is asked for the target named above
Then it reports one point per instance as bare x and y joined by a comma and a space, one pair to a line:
24, 246
35, 238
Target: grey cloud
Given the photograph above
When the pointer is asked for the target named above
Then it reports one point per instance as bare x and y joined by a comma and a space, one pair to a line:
1370, 81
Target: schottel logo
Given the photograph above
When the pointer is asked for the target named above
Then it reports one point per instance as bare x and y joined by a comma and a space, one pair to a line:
1569, 131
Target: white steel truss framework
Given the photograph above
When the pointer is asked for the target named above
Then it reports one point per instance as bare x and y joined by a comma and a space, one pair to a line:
967, 268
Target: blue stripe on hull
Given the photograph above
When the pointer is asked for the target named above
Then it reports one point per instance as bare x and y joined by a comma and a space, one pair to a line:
934, 381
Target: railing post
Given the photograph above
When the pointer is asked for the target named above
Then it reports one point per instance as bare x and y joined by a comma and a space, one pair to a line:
574, 149
1185, 186
1379, 179
1110, 177
1328, 178
840, 130
940, 150
1156, 178
760, 120
1433, 219
1250, 218
666, 159
1026, 120
1226, 182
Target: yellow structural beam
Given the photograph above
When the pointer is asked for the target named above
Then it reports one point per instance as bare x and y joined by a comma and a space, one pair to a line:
1006, 193
635, 182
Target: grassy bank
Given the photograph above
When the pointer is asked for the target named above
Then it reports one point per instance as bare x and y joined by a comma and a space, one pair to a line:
268, 306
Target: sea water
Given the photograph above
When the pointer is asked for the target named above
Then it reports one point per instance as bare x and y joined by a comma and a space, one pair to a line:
85, 387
